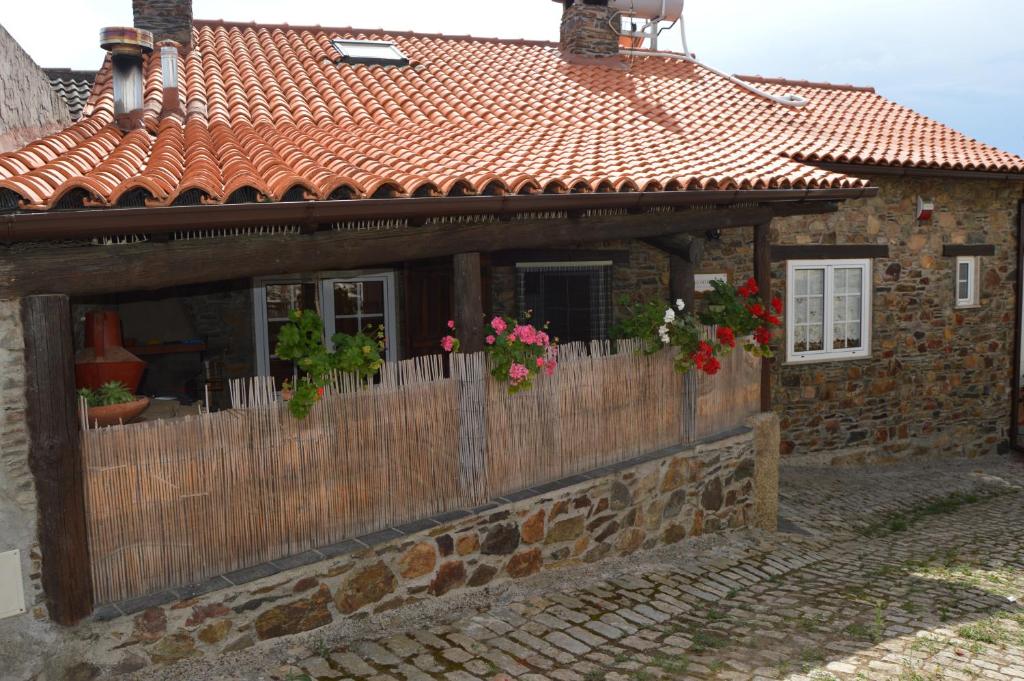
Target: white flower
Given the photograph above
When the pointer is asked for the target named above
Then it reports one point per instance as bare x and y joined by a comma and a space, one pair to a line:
663, 334
680, 304
670, 316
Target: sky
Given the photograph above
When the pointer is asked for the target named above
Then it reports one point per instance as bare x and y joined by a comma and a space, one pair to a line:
959, 62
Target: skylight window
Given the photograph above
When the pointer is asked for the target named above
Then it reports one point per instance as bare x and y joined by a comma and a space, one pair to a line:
370, 52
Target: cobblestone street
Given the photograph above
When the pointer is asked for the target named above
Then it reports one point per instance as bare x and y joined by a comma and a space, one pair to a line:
907, 572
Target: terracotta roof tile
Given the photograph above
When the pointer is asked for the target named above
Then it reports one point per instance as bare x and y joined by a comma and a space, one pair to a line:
271, 113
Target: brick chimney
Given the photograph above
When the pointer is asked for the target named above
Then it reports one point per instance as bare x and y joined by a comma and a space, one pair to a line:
587, 29
166, 20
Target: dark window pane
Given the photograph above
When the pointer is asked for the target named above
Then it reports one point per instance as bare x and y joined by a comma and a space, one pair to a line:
373, 297
273, 328
281, 371
346, 298
281, 298
349, 325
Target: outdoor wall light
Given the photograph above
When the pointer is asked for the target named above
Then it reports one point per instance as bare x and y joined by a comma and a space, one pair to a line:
925, 208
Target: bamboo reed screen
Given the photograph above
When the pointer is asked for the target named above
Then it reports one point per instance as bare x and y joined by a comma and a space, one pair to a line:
175, 502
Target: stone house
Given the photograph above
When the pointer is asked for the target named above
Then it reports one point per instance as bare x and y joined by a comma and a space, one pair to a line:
29, 108
222, 173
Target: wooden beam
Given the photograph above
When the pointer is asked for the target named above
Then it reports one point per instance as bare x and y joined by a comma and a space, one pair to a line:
763, 274
55, 457
507, 258
468, 304
828, 252
954, 250
110, 269
689, 248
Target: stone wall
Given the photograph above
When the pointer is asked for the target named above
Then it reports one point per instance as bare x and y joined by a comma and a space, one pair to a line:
587, 29
19, 634
29, 108
167, 19
938, 379
659, 499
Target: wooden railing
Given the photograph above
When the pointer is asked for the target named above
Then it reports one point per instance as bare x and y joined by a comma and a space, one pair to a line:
175, 502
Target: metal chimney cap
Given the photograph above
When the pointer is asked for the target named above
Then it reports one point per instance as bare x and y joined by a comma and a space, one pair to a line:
126, 40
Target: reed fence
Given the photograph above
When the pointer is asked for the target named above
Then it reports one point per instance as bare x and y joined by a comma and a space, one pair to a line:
175, 502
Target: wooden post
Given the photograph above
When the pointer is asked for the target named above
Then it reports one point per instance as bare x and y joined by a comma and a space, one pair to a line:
55, 456
681, 280
468, 303
763, 274
685, 254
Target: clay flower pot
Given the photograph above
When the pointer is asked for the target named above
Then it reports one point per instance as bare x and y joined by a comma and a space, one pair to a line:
113, 414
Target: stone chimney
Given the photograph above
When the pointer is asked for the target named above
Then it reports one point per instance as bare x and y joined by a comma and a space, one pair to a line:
588, 29
166, 20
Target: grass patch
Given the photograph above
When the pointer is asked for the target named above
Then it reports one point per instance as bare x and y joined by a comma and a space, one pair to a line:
706, 640
983, 631
902, 520
671, 664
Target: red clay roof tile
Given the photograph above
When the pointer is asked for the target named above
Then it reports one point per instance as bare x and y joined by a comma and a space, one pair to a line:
273, 114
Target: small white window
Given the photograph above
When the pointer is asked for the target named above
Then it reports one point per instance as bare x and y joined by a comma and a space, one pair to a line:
347, 302
370, 52
966, 281
829, 310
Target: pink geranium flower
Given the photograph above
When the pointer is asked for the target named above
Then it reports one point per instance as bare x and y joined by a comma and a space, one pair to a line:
490, 340
451, 324
447, 343
499, 325
517, 373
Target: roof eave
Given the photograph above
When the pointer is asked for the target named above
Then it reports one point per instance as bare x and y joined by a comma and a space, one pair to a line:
861, 170
78, 224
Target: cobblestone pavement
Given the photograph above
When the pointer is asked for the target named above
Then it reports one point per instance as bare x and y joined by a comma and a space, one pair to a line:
907, 572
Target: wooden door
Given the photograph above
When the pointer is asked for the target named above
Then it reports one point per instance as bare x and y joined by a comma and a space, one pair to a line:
428, 303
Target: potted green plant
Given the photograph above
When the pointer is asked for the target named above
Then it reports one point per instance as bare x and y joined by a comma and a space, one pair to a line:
112, 403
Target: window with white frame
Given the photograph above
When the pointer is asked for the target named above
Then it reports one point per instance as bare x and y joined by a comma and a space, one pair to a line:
347, 303
966, 281
829, 304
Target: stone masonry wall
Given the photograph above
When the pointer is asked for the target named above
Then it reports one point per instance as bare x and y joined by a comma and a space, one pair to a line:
661, 499
938, 378
20, 635
587, 29
167, 19
29, 108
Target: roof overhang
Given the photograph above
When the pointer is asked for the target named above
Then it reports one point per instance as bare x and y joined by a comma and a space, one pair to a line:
861, 170
83, 224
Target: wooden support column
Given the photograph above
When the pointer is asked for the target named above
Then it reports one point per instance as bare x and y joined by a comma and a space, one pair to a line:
763, 274
468, 303
55, 456
681, 281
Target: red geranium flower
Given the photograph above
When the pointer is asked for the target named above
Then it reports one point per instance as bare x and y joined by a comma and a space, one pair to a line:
763, 335
744, 291
752, 286
777, 305
711, 366
757, 310
773, 320
726, 336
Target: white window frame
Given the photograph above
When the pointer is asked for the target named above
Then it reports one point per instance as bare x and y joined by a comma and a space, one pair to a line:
828, 353
330, 319
973, 281
325, 308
